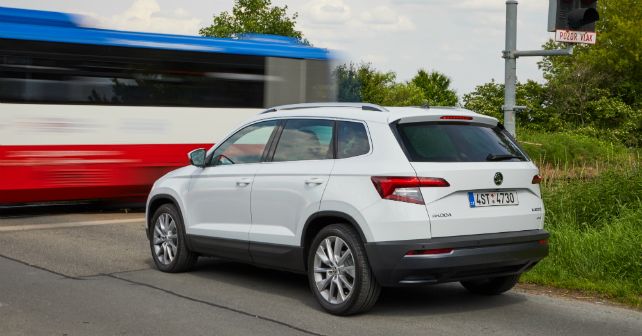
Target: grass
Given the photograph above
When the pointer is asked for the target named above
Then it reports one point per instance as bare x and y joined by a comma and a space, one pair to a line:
564, 156
593, 207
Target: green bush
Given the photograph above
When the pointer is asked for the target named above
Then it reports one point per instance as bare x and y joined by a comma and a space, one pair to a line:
593, 203
596, 236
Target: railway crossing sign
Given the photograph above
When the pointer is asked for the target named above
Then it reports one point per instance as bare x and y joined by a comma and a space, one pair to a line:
573, 21
572, 36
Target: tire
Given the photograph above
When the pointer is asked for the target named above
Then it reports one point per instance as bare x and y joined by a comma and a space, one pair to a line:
491, 286
336, 274
168, 241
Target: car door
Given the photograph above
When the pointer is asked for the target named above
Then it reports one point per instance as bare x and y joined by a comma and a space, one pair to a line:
218, 199
288, 188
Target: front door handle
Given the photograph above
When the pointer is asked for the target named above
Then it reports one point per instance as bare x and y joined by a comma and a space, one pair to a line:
244, 182
314, 181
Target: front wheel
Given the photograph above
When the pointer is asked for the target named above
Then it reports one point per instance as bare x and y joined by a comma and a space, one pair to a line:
491, 286
338, 271
168, 241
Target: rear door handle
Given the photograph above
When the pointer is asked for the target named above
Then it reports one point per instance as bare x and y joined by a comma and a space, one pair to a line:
314, 181
244, 182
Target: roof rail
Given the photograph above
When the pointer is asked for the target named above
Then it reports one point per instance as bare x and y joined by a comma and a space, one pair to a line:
363, 106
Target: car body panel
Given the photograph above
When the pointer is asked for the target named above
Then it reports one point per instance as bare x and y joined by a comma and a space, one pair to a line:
218, 201
284, 196
449, 207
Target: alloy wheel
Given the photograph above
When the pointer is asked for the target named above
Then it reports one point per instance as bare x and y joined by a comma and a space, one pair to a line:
165, 239
334, 271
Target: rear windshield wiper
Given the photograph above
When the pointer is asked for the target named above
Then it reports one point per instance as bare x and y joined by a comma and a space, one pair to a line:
502, 157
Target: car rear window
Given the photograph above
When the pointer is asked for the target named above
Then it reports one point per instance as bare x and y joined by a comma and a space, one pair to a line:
458, 142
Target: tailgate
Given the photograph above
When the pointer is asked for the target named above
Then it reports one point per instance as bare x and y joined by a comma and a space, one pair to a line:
490, 179
453, 213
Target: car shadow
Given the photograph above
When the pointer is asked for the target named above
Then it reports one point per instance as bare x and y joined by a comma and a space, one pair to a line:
423, 300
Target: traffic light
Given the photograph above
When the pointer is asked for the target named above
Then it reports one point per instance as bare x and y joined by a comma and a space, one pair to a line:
577, 15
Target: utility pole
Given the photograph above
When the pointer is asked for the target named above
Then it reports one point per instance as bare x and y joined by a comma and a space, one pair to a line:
510, 66
510, 53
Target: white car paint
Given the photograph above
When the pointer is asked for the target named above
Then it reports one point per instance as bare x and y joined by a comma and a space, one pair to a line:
277, 202
284, 196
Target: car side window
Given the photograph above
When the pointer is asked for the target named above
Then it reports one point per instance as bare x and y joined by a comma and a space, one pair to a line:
352, 139
305, 139
245, 146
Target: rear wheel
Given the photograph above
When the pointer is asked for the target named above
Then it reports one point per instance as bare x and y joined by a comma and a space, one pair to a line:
338, 271
167, 242
491, 286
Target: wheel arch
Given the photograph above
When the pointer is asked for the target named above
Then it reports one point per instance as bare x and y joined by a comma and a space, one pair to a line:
156, 202
317, 221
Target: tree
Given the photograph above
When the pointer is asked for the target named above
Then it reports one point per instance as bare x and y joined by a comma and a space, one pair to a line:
600, 86
436, 88
362, 82
254, 16
403, 94
349, 85
488, 99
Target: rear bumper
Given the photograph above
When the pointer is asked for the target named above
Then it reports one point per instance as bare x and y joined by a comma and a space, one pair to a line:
476, 256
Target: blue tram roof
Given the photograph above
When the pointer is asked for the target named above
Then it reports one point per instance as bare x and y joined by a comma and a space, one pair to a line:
35, 25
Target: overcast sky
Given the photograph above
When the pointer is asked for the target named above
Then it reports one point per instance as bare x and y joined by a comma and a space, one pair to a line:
461, 38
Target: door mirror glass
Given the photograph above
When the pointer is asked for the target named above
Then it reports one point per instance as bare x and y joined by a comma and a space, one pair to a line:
197, 157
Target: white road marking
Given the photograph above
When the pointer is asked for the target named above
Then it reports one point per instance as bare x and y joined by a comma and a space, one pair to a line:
27, 227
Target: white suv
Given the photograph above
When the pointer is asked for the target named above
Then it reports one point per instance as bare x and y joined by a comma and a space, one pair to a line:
357, 196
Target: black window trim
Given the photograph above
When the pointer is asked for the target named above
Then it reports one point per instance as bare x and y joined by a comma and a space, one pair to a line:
268, 153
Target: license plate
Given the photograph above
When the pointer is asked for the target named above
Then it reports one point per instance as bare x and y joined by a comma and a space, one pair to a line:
492, 198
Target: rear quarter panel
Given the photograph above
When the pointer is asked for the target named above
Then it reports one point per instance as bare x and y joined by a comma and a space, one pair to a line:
350, 190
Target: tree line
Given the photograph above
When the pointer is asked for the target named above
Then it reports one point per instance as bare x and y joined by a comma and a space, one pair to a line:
595, 92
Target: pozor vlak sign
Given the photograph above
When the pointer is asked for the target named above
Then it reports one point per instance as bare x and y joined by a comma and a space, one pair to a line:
575, 36
573, 20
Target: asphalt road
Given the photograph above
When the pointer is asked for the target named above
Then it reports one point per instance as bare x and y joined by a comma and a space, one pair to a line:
91, 274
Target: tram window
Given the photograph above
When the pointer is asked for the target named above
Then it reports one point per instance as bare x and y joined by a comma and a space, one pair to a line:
70, 79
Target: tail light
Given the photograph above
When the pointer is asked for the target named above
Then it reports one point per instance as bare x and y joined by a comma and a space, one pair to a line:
405, 189
537, 179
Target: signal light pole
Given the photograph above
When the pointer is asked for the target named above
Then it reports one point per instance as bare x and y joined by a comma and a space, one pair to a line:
510, 53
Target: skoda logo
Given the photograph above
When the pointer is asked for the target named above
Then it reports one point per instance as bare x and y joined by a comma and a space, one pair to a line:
499, 178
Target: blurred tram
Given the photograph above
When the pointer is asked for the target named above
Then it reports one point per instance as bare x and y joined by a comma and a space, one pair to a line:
96, 114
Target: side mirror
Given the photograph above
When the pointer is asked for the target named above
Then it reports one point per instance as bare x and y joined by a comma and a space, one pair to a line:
197, 157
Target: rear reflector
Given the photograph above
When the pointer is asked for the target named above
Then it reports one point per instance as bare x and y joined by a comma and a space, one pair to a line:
430, 252
405, 188
456, 118
537, 179
543, 241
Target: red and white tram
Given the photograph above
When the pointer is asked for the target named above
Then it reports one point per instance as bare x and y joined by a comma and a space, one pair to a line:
90, 113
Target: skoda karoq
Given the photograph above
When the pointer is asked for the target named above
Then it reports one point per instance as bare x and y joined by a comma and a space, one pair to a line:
357, 196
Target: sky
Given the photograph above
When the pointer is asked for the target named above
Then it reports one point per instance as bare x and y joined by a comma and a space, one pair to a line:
460, 38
